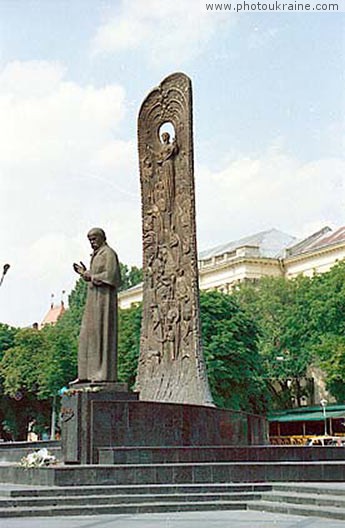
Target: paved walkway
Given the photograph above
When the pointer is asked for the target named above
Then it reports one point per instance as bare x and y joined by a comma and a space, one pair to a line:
235, 519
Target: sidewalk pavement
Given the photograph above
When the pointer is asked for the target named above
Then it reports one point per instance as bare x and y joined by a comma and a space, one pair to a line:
216, 519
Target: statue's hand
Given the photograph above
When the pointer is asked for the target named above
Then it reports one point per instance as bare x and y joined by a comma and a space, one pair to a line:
76, 268
79, 268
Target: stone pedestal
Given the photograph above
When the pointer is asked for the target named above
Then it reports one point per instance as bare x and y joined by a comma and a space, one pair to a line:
94, 420
84, 425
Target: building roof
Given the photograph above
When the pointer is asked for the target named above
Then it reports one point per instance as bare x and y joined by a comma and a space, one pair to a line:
303, 245
328, 238
270, 244
53, 314
133, 289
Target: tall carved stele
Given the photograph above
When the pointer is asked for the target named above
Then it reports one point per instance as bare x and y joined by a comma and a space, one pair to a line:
171, 364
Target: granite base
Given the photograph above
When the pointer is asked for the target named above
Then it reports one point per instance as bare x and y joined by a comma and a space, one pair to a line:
97, 419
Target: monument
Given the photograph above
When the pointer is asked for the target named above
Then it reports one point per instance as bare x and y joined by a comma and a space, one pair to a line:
82, 416
172, 405
171, 365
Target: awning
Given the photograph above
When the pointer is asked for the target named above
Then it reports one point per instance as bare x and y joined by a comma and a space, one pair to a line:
306, 417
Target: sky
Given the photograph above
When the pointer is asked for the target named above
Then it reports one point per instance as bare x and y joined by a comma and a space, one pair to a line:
269, 128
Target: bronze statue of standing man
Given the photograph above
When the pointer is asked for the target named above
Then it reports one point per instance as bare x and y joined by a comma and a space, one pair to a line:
97, 353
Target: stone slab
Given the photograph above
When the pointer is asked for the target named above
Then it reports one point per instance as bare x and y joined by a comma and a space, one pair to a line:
19, 490
146, 455
236, 472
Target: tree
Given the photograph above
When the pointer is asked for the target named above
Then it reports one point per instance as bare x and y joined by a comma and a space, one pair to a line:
62, 344
20, 371
130, 276
19, 363
70, 321
230, 346
331, 358
327, 306
7, 335
57, 365
38, 364
281, 310
7, 405
129, 344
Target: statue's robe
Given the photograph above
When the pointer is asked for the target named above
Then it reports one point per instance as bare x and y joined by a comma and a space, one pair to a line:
97, 353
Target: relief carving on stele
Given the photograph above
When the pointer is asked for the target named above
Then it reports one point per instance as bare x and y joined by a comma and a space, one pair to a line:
171, 363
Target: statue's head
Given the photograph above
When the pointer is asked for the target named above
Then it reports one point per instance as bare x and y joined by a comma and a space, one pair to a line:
97, 237
166, 138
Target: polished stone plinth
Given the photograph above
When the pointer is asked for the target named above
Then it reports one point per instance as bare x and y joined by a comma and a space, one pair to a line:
84, 422
92, 420
182, 473
156, 455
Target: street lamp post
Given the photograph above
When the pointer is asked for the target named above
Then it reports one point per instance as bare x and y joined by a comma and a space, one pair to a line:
4, 271
53, 413
323, 404
53, 419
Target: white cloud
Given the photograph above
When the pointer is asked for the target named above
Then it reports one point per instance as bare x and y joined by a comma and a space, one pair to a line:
64, 168
117, 154
53, 116
274, 190
168, 33
30, 79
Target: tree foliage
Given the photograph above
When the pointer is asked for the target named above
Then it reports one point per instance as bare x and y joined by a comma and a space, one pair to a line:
278, 306
234, 366
7, 335
328, 315
130, 276
21, 368
128, 344
301, 322
35, 365
19, 363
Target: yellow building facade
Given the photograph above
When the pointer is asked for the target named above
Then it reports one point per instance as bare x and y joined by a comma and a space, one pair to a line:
268, 253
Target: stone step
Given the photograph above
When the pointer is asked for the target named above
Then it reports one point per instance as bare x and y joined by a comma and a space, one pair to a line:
90, 500
155, 507
321, 488
317, 499
125, 499
320, 500
150, 455
161, 489
300, 509
183, 473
